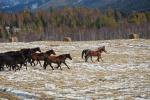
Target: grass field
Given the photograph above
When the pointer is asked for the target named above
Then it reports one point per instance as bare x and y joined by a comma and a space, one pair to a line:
124, 74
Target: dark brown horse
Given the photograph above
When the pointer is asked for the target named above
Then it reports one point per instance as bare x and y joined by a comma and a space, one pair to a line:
41, 56
90, 53
57, 60
28, 52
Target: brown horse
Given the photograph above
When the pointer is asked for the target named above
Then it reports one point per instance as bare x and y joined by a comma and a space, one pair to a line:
57, 60
41, 56
97, 53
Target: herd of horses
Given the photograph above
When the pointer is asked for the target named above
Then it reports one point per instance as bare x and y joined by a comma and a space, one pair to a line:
14, 60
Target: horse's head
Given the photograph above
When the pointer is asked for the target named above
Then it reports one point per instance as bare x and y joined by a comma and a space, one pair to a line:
102, 49
50, 52
68, 56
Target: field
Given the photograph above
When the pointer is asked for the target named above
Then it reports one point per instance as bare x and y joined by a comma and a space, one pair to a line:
124, 74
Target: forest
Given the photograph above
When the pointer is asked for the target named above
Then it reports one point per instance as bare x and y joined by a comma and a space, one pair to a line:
81, 24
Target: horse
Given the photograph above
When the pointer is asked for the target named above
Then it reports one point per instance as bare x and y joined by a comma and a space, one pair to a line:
12, 59
19, 57
40, 56
28, 52
57, 60
89, 53
84, 52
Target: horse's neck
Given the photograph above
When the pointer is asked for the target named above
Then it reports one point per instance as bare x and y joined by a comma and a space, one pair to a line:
63, 56
47, 53
97, 51
100, 50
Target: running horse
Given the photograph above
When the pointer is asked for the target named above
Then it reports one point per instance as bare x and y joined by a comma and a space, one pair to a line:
41, 56
57, 60
89, 53
27, 52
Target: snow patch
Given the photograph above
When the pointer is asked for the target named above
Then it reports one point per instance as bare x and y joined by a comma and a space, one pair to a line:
19, 93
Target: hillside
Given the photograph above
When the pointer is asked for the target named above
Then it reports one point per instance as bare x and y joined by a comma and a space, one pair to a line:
124, 74
123, 5
131, 5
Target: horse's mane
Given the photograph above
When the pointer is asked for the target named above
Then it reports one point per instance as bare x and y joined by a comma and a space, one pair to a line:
63, 55
36, 48
102, 47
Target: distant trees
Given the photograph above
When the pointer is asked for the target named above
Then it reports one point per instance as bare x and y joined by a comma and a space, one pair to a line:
78, 23
137, 18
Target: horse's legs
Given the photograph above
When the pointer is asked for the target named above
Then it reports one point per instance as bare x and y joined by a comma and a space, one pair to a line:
1, 68
29, 60
86, 58
51, 66
99, 57
66, 65
13, 67
20, 66
10, 67
59, 63
39, 63
91, 58
60, 67
32, 62
26, 65
45, 64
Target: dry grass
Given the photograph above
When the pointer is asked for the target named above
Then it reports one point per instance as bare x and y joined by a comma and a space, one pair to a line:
123, 74
8, 96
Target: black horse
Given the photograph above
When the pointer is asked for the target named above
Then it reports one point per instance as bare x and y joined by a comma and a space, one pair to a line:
28, 53
57, 60
12, 59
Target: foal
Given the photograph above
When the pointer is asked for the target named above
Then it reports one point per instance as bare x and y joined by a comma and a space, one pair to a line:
41, 56
58, 60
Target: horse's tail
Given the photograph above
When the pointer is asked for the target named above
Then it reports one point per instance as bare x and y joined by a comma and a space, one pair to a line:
83, 52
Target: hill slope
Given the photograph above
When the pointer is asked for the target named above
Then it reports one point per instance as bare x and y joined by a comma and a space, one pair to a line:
123, 5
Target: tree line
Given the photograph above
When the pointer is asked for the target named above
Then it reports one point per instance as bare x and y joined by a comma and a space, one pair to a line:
77, 23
